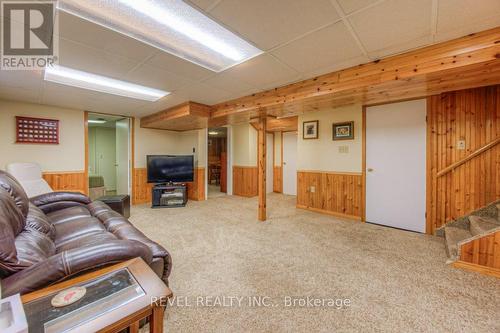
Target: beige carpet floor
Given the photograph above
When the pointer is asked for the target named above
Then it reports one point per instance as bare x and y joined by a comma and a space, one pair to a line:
396, 281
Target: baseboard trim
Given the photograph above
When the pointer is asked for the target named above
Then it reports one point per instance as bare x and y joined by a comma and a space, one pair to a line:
477, 268
328, 212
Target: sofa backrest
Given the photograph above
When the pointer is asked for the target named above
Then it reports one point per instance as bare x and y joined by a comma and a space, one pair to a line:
16, 191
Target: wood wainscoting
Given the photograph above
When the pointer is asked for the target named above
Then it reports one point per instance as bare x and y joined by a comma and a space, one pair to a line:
278, 179
471, 117
481, 255
72, 181
335, 193
141, 191
245, 181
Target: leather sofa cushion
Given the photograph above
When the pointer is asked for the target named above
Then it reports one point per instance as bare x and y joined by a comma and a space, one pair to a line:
85, 240
33, 247
121, 228
37, 220
16, 191
11, 224
77, 228
68, 214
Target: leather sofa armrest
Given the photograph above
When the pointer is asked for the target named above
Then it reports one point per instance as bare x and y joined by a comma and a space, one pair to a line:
68, 263
53, 201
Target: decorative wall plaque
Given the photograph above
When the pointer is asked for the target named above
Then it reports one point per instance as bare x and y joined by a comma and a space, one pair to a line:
37, 130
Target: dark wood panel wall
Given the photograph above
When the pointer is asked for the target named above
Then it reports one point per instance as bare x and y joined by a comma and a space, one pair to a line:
470, 117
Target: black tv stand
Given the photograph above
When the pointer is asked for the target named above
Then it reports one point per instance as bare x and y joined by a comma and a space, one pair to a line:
169, 195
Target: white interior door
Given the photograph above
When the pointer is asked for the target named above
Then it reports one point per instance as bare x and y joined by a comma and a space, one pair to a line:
269, 162
122, 156
105, 156
395, 162
290, 163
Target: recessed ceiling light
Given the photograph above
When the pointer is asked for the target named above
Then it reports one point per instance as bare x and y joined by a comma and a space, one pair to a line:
213, 133
97, 121
172, 26
80, 79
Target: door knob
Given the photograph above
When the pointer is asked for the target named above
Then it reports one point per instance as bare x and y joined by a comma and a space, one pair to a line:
369, 170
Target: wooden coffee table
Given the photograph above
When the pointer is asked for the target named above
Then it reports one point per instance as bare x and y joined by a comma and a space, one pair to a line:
117, 297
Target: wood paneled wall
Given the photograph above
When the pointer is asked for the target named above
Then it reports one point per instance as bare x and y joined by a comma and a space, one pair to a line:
484, 251
245, 181
471, 115
277, 179
334, 193
141, 191
73, 181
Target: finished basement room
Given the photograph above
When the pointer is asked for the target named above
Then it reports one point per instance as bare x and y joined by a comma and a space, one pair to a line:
250, 166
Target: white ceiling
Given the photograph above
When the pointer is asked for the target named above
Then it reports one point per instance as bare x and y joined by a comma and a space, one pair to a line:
301, 39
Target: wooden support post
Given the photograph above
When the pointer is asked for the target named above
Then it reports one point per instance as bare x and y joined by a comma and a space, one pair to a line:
262, 148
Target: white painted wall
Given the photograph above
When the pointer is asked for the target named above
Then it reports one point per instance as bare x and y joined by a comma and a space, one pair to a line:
277, 148
322, 154
68, 155
244, 140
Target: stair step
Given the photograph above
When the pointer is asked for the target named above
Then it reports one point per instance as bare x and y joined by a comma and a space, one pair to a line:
479, 224
453, 236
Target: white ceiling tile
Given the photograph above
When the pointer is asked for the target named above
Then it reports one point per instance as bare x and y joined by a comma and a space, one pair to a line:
336, 67
349, 6
81, 57
203, 4
19, 94
270, 23
393, 22
457, 18
158, 78
201, 93
400, 48
326, 47
261, 71
179, 66
82, 31
30, 80
228, 81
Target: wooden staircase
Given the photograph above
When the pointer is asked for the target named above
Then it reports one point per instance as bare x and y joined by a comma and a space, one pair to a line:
473, 241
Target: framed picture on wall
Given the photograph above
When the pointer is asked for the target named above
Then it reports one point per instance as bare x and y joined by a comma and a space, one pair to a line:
310, 129
343, 131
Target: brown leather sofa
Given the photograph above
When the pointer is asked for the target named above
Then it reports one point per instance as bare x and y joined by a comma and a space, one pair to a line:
58, 235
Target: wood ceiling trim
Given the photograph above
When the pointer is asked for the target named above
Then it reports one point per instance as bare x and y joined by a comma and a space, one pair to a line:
182, 117
473, 49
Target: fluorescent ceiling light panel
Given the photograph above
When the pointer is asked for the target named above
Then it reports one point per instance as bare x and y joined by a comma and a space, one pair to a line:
80, 79
169, 25
96, 121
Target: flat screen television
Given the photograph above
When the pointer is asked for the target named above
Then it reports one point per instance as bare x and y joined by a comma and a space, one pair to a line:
170, 168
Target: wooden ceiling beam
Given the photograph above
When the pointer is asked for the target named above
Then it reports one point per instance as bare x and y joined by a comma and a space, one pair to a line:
354, 83
182, 117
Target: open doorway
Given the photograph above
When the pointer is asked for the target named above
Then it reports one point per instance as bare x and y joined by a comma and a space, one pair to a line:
109, 150
217, 162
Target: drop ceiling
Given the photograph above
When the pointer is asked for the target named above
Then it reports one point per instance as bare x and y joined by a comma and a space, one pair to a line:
300, 39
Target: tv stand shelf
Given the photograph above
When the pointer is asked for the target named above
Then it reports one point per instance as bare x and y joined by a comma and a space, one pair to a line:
169, 195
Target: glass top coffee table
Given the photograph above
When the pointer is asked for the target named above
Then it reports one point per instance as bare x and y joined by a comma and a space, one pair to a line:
116, 297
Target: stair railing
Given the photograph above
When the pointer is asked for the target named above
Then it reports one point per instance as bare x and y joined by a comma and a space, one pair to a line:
468, 158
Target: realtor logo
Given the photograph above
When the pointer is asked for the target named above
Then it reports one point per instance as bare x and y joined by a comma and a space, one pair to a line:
27, 38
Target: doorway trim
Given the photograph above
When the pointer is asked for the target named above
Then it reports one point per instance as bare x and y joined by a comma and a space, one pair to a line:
132, 149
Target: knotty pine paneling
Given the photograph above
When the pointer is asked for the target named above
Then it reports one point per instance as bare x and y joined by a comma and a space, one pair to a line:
472, 115
334, 193
245, 181
277, 179
73, 181
484, 251
141, 191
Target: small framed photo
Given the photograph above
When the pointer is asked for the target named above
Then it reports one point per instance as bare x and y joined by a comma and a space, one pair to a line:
343, 131
310, 129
